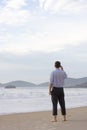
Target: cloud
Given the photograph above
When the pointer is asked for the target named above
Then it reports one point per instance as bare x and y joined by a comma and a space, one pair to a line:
47, 35
13, 13
15, 4
68, 6
50, 40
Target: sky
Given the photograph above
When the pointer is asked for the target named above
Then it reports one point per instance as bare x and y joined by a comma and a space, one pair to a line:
36, 33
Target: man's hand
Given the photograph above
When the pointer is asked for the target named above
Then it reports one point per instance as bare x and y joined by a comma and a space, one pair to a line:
49, 92
61, 67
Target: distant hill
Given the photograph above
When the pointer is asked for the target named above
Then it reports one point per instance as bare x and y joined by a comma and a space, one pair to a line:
19, 83
44, 84
74, 82
1, 84
69, 82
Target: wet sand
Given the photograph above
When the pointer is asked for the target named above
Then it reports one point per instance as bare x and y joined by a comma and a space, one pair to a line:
76, 120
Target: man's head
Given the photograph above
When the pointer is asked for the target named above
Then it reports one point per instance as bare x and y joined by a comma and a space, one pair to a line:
57, 64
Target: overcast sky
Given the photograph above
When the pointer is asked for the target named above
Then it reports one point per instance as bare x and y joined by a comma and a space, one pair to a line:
36, 33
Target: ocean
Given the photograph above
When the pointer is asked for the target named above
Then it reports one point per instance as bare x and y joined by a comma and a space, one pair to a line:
32, 99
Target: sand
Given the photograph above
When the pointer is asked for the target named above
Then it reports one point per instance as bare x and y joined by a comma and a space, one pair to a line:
76, 120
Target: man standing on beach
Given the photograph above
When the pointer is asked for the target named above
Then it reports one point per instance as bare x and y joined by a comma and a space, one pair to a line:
56, 90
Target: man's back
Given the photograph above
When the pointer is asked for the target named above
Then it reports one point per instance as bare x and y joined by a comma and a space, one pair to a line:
57, 77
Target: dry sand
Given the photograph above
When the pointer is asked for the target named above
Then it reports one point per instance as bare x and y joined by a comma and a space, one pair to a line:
76, 120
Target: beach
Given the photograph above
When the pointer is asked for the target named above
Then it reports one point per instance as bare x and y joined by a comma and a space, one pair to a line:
76, 120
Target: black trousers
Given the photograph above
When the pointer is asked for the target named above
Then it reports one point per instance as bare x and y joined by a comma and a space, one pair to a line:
57, 96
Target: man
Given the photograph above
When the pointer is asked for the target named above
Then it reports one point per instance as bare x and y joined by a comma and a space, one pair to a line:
56, 90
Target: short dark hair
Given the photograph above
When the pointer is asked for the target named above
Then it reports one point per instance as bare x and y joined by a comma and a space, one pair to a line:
57, 64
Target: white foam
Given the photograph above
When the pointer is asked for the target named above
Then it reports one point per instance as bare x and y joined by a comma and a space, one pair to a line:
37, 99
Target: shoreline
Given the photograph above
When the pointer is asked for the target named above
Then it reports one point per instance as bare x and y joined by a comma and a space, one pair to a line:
13, 113
76, 120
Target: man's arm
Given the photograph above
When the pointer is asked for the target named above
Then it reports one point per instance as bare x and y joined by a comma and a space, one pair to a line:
65, 75
51, 83
61, 67
50, 88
